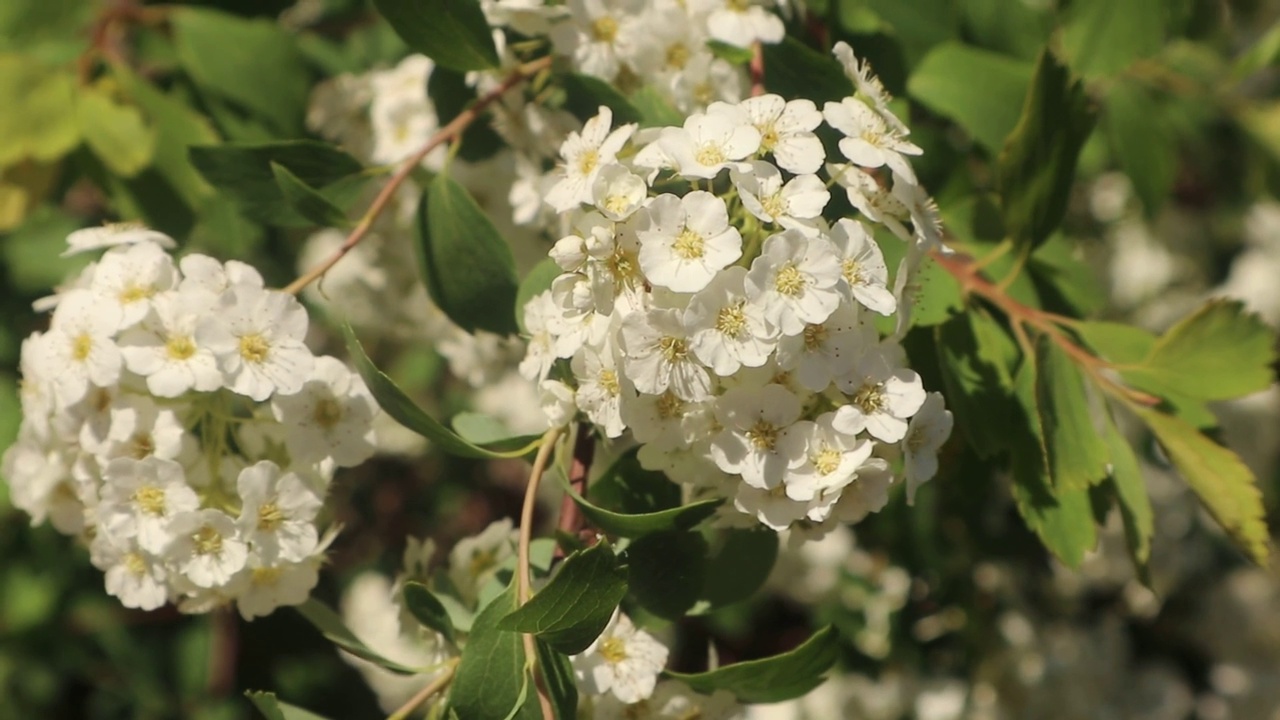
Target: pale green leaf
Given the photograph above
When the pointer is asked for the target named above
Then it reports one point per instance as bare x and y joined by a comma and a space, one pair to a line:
1103, 37
1077, 453
944, 81
774, 679
273, 709
1131, 491
570, 612
116, 133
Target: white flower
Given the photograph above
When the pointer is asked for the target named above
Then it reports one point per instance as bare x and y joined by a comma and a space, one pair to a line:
163, 349
41, 484
401, 114
866, 83
881, 398
202, 274
207, 548
278, 513
876, 203
624, 661
258, 338
755, 423
832, 459
687, 241
558, 402
794, 280
539, 312
772, 507
331, 416
140, 428
618, 192
141, 498
820, 352
927, 432
869, 141
725, 332
96, 238
600, 389
864, 277
707, 79
265, 587
671, 700
474, 560
129, 276
80, 347
794, 205
132, 574
742, 22
786, 130
709, 142
665, 421
604, 37
656, 356
585, 155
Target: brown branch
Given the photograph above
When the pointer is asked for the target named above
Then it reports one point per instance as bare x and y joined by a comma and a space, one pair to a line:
571, 517
439, 683
967, 273
757, 69
449, 132
224, 651
523, 570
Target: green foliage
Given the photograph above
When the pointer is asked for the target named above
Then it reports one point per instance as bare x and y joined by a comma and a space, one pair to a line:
535, 282
1131, 492
1038, 162
977, 387
244, 172
1077, 453
558, 678
585, 94
491, 681
988, 111
571, 611
116, 133
306, 200
794, 70
775, 679
466, 263
396, 403
1223, 483
637, 523
46, 128
427, 609
1143, 142
1103, 37
666, 570
738, 564
451, 32
273, 709
330, 624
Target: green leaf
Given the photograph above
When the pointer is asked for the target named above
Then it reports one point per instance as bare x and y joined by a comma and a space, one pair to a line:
45, 127
451, 95
396, 404
466, 263
273, 709
491, 679
639, 524
116, 133
454, 33
479, 429
307, 201
558, 679
243, 172
737, 566
1225, 486
976, 388
427, 609
1037, 164
1142, 141
1103, 37
1062, 518
988, 110
654, 109
535, 283
585, 94
774, 679
177, 127
330, 624
572, 610
1264, 53
1116, 342
666, 571
1059, 276
1131, 491
1077, 454
918, 25
1219, 352
794, 70
253, 63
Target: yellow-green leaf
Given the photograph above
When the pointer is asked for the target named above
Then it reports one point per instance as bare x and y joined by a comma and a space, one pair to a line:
115, 132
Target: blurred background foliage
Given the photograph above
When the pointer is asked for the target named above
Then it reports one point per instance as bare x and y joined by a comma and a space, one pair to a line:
99, 102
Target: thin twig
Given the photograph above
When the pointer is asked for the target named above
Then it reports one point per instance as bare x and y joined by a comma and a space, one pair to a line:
449, 132
439, 683
523, 572
224, 651
757, 69
571, 517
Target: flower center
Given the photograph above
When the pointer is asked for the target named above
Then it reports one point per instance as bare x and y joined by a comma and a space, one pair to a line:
621, 265
481, 560
141, 446
870, 398
789, 281
208, 541
588, 161
266, 575
135, 564
704, 93
677, 56
739, 6
689, 245
616, 204
774, 206
710, 154
81, 346
763, 435
269, 517
768, 138
609, 381
254, 348
669, 406
150, 500
613, 650
827, 461
851, 271
100, 401
133, 292
179, 348
604, 29
673, 349
815, 336
328, 413
732, 320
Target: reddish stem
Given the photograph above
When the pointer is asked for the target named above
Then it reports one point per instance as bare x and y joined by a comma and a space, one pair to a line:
571, 518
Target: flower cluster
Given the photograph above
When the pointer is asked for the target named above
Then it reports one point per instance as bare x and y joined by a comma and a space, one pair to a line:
174, 419
708, 307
